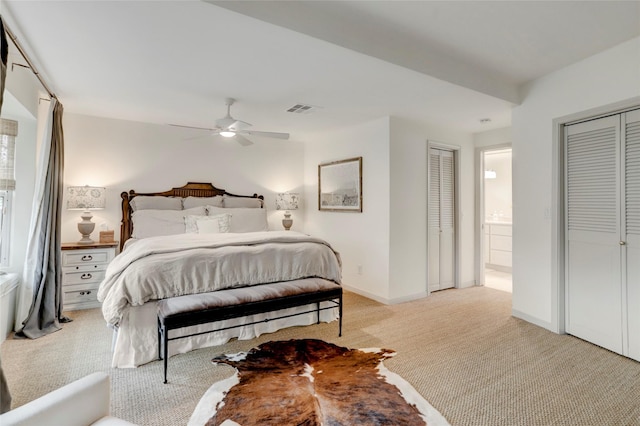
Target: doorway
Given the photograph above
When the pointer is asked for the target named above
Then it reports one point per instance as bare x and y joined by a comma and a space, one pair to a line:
496, 218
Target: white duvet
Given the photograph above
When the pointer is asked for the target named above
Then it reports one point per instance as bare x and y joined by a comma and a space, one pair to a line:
168, 266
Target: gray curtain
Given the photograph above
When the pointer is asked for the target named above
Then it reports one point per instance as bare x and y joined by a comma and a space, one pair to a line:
5, 396
43, 271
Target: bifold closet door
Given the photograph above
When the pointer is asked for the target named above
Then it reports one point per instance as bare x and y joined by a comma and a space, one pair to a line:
593, 232
631, 248
441, 212
602, 174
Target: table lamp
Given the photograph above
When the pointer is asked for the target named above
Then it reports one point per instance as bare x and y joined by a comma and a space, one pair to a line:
287, 201
86, 198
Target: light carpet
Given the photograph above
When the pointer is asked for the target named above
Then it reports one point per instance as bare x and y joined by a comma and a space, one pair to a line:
460, 349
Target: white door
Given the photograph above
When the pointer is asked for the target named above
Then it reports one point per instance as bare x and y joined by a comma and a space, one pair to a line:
441, 263
602, 195
631, 239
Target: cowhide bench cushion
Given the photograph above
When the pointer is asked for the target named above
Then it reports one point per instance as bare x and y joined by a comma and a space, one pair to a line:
202, 308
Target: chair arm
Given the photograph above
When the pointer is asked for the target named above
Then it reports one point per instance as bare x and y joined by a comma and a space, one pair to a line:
79, 403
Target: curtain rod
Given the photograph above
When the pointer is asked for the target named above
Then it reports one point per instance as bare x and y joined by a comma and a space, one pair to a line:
14, 39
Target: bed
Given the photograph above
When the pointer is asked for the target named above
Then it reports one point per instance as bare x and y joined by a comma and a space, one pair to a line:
196, 239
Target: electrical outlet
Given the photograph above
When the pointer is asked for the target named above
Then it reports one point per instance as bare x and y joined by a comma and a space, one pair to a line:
359, 269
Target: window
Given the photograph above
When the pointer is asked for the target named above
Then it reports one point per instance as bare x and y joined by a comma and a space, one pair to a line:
8, 133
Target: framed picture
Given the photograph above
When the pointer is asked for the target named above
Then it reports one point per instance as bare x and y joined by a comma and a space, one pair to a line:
340, 186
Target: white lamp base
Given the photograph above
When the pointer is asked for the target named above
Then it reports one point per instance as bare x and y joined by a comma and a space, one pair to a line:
287, 221
86, 227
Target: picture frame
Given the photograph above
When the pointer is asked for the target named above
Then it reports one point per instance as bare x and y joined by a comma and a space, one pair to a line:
340, 186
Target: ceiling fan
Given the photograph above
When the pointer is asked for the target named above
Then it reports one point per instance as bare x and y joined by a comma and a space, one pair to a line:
230, 127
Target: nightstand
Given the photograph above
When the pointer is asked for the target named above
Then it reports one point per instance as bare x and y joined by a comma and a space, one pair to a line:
83, 269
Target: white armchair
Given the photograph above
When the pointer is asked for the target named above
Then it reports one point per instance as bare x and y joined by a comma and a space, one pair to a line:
80, 403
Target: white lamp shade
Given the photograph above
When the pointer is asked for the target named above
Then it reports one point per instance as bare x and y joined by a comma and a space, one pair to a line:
287, 201
86, 197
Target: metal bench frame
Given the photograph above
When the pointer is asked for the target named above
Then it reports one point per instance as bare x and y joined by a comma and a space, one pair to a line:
204, 316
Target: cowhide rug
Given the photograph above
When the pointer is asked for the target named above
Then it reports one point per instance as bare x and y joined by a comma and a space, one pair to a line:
311, 382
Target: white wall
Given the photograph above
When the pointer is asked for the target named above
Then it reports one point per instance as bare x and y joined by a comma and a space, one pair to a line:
389, 238
408, 206
124, 155
361, 238
609, 77
493, 137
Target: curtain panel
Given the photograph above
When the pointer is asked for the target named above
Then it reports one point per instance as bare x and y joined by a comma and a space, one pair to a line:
42, 275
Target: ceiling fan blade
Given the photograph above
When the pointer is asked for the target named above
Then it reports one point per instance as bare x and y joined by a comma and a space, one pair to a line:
267, 134
242, 140
239, 125
191, 127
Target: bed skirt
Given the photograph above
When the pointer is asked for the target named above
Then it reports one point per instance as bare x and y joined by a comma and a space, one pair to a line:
135, 345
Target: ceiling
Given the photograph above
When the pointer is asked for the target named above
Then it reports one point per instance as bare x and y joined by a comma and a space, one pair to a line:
445, 63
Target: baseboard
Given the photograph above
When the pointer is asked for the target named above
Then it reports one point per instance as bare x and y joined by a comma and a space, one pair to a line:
366, 294
383, 300
409, 298
533, 320
468, 284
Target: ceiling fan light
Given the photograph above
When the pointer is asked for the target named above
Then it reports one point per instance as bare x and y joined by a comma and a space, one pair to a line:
227, 134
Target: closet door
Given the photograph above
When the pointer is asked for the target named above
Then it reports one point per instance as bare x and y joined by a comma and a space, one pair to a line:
631, 241
441, 263
593, 253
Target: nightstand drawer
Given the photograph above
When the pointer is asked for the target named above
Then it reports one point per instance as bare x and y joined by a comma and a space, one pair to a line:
82, 277
83, 269
83, 257
79, 297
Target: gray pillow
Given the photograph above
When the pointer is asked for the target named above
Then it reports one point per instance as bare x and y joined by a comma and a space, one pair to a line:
190, 202
235, 202
153, 202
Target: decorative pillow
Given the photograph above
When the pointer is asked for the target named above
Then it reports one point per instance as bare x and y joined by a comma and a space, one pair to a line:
234, 202
207, 224
224, 222
153, 202
152, 223
190, 223
190, 202
243, 219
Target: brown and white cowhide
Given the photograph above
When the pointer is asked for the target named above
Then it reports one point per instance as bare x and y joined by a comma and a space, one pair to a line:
311, 382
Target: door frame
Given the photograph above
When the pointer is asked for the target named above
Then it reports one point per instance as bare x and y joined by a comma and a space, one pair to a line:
559, 288
479, 203
455, 149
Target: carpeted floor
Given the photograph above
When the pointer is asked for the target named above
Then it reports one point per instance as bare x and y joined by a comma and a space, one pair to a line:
460, 349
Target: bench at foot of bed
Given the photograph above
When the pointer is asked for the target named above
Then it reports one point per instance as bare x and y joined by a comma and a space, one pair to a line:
202, 308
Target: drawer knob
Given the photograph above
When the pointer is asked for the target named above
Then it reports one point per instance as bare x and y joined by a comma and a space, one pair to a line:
87, 257
85, 276
84, 293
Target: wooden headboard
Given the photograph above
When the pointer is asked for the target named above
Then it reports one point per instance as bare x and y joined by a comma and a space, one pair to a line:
191, 189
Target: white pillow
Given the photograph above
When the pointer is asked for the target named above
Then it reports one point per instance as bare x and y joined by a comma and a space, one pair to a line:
207, 224
190, 223
243, 219
190, 202
234, 202
153, 202
152, 223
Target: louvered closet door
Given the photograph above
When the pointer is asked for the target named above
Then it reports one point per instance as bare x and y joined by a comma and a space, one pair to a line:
593, 232
631, 204
441, 264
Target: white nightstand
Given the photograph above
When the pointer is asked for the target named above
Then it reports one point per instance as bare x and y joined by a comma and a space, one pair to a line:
83, 269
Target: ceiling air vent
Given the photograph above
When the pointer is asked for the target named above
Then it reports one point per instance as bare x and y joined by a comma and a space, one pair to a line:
302, 109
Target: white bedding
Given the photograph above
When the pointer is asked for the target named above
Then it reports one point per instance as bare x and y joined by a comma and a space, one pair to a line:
168, 266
